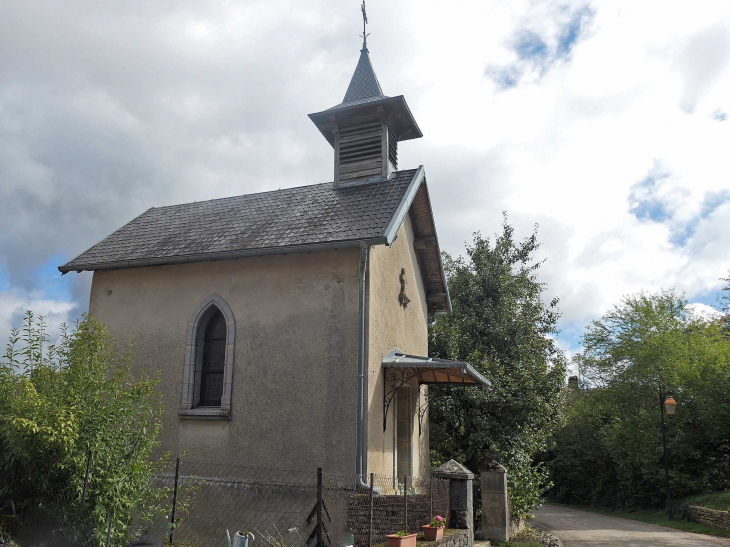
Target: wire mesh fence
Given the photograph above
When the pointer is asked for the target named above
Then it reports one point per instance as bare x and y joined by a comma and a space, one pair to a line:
302, 508
50, 509
281, 508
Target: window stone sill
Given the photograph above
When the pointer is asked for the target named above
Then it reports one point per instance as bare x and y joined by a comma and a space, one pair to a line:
204, 413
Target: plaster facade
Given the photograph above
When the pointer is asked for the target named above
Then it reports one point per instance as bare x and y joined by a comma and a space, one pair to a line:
391, 326
293, 376
293, 381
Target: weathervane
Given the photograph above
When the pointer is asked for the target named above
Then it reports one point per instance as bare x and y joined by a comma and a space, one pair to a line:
364, 27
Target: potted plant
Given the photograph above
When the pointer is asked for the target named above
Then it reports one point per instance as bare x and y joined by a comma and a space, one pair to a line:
434, 530
401, 539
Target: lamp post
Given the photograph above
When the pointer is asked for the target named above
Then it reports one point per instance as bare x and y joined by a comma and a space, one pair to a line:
669, 405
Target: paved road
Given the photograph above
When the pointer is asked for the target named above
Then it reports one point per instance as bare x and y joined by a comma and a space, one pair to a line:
587, 529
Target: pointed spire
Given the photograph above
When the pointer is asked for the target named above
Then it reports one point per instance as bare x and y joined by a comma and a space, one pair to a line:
364, 86
364, 104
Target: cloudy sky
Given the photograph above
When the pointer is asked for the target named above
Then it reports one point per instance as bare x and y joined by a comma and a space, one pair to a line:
605, 122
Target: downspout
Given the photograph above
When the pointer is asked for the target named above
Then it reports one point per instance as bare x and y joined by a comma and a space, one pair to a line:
359, 449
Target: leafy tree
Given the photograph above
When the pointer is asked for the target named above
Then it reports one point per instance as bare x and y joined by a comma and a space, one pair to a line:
725, 301
57, 403
610, 451
502, 326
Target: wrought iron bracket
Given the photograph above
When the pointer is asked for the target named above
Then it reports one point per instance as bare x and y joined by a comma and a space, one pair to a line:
397, 378
422, 409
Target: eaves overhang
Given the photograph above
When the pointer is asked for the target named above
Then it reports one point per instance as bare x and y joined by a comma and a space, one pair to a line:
221, 255
394, 109
416, 199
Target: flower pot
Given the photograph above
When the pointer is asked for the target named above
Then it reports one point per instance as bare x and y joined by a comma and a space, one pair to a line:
394, 540
431, 533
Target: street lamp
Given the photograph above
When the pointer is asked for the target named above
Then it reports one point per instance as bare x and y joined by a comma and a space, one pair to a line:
669, 405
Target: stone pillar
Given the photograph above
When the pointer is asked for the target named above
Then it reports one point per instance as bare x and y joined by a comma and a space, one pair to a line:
495, 510
461, 511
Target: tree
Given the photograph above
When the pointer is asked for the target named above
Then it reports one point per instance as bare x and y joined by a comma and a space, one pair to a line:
725, 301
59, 402
610, 451
502, 326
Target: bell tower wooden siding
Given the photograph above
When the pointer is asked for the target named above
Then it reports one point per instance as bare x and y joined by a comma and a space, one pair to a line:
363, 152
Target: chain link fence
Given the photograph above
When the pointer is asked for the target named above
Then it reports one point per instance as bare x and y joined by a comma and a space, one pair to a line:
43, 510
294, 508
203, 501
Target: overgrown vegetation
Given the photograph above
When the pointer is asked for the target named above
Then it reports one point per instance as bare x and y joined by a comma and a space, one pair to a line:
59, 402
530, 537
610, 454
504, 329
720, 501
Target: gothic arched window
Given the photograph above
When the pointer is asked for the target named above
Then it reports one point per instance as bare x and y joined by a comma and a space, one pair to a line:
208, 373
214, 356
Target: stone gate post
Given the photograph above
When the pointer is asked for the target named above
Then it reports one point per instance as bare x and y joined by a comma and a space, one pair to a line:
495, 509
461, 511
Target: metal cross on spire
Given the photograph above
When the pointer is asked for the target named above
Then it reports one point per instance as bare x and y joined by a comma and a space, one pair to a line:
364, 26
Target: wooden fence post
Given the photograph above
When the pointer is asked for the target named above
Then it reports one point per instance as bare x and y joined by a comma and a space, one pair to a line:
86, 479
430, 493
405, 503
109, 528
174, 499
370, 524
319, 507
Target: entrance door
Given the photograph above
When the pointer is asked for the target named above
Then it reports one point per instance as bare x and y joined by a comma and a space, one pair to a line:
404, 432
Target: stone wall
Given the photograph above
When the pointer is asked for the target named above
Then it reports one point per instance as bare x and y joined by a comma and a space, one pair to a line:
454, 538
710, 517
388, 515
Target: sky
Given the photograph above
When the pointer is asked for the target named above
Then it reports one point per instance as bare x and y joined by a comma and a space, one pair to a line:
607, 123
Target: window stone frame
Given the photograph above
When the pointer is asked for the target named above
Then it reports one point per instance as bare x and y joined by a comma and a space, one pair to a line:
194, 360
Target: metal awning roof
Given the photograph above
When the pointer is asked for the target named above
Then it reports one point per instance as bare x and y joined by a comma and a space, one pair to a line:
434, 371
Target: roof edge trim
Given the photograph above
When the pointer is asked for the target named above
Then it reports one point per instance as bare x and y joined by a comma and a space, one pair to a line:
449, 308
400, 213
222, 255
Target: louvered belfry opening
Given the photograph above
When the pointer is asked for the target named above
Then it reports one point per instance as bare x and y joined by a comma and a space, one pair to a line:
365, 128
392, 149
365, 152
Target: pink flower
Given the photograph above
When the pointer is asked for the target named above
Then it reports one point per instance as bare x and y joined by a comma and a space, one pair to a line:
439, 518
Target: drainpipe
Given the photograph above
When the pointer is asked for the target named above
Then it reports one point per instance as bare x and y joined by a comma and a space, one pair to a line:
361, 368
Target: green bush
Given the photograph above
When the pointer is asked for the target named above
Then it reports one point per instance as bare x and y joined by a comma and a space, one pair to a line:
610, 452
59, 402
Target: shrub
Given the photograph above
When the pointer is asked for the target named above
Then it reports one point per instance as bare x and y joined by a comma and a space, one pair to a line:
60, 402
610, 453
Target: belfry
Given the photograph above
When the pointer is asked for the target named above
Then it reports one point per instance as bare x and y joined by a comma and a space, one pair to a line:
365, 128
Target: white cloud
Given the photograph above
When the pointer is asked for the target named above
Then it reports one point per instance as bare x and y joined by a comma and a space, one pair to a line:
704, 311
106, 111
14, 304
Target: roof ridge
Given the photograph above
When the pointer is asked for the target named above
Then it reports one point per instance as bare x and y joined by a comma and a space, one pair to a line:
309, 214
240, 195
394, 173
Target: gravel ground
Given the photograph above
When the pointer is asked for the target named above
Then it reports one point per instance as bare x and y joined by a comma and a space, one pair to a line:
578, 528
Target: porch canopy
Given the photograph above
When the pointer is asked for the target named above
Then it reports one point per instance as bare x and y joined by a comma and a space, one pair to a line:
400, 368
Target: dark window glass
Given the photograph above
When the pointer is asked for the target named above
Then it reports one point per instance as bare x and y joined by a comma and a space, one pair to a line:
214, 354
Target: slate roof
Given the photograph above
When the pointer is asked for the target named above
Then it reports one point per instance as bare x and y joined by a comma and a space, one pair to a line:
315, 215
364, 86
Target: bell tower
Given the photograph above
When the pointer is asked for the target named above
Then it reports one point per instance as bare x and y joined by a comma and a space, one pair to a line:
366, 127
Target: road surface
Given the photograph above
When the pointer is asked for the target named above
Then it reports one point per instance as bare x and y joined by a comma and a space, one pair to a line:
587, 529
